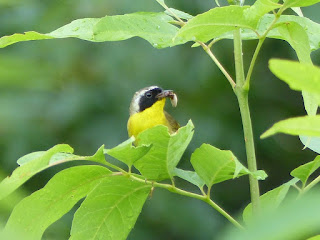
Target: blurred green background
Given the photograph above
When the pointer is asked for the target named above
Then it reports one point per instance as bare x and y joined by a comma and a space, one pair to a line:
78, 92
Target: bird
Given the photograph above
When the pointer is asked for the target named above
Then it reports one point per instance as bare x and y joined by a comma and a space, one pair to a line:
147, 110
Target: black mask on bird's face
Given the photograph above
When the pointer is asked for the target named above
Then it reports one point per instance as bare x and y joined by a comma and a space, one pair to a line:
149, 98
146, 97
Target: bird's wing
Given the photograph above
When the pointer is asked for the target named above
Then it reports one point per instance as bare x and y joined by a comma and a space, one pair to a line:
173, 123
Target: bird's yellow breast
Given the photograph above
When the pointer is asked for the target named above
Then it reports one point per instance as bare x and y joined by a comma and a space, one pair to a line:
148, 118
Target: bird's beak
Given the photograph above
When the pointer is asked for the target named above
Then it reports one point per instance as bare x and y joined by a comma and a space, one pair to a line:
169, 94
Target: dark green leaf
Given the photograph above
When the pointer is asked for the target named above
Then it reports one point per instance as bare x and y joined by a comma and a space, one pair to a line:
304, 171
34, 214
166, 151
307, 125
127, 153
110, 210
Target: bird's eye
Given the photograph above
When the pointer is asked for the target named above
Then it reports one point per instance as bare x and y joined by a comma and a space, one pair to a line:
148, 94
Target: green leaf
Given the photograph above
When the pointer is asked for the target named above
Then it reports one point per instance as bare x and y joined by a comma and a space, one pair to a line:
189, 176
307, 125
160, 162
311, 102
260, 8
270, 200
299, 3
153, 27
304, 171
34, 214
18, 37
30, 168
312, 29
314, 238
178, 13
296, 219
33, 163
62, 157
127, 153
110, 210
312, 143
299, 76
297, 37
214, 23
214, 165
298, 11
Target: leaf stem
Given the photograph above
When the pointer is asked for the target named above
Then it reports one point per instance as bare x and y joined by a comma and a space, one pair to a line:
242, 95
216, 61
252, 64
179, 191
258, 48
312, 184
169, 10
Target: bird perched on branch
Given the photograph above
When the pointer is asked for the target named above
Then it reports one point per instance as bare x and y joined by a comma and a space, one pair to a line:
147, 110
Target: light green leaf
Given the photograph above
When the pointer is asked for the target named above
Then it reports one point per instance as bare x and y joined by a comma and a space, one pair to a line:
213, 23
189, 176
299, 3
166, 151
299, 76
33, 163
34, 214
63, 157
297, 37
178, 13
30, 168
312, 143
127, 153
304, 171
153, 27
18, 37
214, 165
311, 102
110, 210
307, 125
29, 157
297, 219
260, 8
314, 238
298, 11
312, 29
270, 200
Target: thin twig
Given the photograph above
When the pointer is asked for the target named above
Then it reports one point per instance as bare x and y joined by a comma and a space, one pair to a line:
216, 61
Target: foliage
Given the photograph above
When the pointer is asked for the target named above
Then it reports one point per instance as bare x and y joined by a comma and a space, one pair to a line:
114, 195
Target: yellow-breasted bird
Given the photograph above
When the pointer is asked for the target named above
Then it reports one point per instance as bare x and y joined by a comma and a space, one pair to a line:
147, 110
